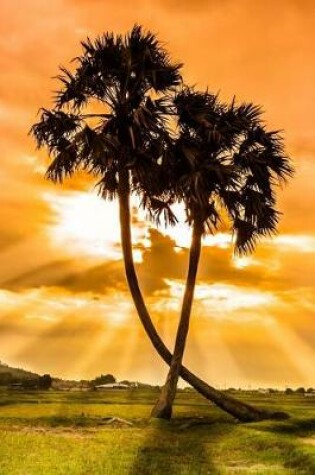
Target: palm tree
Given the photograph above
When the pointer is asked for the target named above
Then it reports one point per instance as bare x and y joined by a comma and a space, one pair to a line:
130, 78
224, 162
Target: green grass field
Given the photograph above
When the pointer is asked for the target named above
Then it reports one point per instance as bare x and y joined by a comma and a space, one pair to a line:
66, 433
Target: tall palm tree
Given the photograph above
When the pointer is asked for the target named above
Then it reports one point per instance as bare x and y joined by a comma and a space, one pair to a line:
224, 163
129, 77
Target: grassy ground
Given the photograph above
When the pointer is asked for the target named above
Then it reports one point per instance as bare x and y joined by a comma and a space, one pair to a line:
65, 433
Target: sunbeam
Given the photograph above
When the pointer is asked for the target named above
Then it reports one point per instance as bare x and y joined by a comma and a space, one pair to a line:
297, 351
208, 354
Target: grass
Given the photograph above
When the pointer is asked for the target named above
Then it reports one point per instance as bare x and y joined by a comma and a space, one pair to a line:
57, 433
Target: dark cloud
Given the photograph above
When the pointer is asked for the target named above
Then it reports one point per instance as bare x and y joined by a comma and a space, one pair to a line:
160, 261
97, 279
53, 274
271, 269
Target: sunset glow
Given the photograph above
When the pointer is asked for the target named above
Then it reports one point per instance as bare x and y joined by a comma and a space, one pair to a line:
85, 223
64, 303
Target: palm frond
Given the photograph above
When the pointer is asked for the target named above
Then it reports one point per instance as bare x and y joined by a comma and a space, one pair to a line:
54, 128
224, 154
150, 62
246, 237
157, 209
108, 185
63, 165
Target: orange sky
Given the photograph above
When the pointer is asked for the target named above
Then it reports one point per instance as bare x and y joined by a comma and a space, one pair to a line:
64, 305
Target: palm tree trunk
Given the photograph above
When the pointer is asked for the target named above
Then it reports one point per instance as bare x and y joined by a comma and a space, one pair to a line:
164, 405
238, 409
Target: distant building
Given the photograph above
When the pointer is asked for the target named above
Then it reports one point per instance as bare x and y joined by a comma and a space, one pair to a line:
102, 387
263, 391
16, 386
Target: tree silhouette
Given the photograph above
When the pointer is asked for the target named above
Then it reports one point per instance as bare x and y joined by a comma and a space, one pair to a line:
224, 163
128, 147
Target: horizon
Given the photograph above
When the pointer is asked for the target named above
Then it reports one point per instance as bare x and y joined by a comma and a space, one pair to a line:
181, 385
64, 303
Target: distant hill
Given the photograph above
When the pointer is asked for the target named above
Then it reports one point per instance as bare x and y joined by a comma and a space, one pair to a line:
16, 374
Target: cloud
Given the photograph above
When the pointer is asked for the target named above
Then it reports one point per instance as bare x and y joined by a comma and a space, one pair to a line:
51, 274
276, 265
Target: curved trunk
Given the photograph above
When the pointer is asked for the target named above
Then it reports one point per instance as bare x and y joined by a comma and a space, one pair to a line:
164, 405
240, 410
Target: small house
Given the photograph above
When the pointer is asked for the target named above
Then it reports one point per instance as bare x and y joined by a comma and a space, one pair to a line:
102, 387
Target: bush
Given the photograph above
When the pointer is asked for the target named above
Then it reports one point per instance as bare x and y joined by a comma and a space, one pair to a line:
300, 391
288, 391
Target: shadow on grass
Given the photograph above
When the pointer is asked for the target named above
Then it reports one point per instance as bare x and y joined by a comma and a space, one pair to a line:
293, 442
178, 448
297, 427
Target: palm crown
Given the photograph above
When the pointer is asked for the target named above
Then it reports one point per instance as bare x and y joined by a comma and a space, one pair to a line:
119, 73
224, 157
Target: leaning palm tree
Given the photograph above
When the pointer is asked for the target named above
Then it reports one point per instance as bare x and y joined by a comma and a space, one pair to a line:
224, 163
126, 147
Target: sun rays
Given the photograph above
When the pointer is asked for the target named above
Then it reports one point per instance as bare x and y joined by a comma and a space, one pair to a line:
80, 335
298, 352
82, 232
